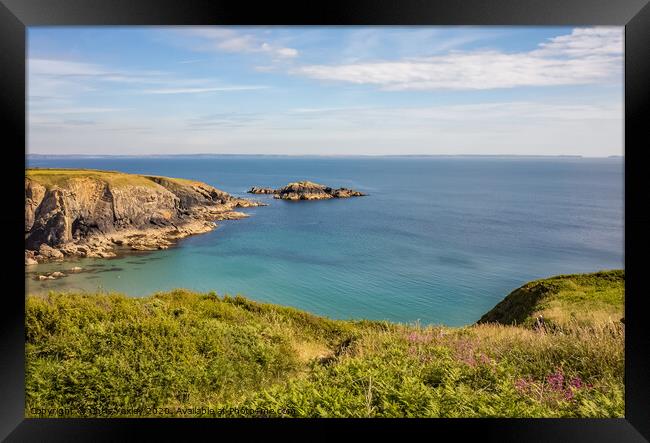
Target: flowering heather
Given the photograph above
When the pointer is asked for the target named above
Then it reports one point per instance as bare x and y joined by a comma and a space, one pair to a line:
576, 382
419, 338
556, 380
556, 386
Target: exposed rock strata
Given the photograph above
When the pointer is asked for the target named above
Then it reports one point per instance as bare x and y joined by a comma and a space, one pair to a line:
74, 213
306, 190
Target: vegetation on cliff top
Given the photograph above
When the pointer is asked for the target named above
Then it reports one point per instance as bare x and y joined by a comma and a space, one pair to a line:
108, 354
584, 299
49, 177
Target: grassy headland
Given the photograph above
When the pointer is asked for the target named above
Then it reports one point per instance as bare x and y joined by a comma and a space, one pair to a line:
190, 354
51, 177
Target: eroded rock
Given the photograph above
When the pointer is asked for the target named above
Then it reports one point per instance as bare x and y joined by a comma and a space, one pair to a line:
88, 213
49, 253
306, 190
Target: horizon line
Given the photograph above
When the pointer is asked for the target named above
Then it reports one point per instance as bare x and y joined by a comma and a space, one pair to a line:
322, 155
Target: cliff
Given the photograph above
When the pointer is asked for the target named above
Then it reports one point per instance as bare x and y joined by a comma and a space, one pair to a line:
306, 190
89, 212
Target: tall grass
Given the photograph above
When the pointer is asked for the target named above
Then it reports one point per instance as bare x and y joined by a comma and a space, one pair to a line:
111, 355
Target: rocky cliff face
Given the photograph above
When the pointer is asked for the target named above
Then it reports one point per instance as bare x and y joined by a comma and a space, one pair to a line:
68, 212
306, 190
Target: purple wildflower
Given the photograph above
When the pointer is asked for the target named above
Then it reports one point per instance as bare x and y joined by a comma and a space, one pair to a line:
576, 383
556, 380
568, 394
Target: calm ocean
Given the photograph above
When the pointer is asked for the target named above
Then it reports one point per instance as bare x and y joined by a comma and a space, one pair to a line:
439, 239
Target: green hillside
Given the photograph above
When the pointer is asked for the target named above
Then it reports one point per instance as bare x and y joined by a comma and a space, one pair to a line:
189, 354
585, 299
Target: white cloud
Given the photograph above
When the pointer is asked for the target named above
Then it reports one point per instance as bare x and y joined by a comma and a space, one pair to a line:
286, 52
76, 110
231, 40
202, 90
585, 56
65, 80
585, 42
490, 112
57, 69
53, 67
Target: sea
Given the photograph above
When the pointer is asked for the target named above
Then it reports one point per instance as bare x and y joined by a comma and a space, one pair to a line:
438, 240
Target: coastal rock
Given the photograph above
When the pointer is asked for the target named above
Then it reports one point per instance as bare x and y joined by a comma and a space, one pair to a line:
51, 276
34, 193
233, 215
306, 190
49, 253
259, 190
69, 249
345, 193
30, 258
87, 213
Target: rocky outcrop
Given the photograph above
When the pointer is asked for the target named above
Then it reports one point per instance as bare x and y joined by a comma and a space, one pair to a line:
306, 190
259, 190
93, 213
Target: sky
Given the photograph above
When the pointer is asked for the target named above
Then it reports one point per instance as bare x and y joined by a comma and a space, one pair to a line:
375, 90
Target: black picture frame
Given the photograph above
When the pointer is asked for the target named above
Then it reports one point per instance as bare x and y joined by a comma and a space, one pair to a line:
16, 15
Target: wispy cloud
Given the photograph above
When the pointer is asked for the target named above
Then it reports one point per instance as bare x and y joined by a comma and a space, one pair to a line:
237, 41
62, 69
52, 79
372, 42
406, 119
204, 90
505, 111
76, 110
584, 42
226, 120
583, 57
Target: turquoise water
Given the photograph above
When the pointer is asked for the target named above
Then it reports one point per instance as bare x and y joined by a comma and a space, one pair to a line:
438, 239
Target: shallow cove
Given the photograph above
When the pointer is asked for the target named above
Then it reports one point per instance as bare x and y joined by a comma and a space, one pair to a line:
439, 239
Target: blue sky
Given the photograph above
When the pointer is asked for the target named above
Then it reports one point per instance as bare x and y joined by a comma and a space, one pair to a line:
325, 90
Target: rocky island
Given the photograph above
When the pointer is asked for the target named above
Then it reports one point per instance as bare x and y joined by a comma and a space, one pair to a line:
306, 190
91, 213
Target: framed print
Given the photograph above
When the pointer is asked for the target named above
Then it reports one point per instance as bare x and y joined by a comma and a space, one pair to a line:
337, 217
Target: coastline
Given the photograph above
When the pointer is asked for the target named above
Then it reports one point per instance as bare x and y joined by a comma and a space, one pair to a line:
408, 251
89, 213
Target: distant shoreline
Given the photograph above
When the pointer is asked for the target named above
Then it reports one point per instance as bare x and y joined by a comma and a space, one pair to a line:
45, 156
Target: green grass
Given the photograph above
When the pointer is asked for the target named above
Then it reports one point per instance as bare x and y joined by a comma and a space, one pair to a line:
111, 355
59, 177
63, 177
585, 299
